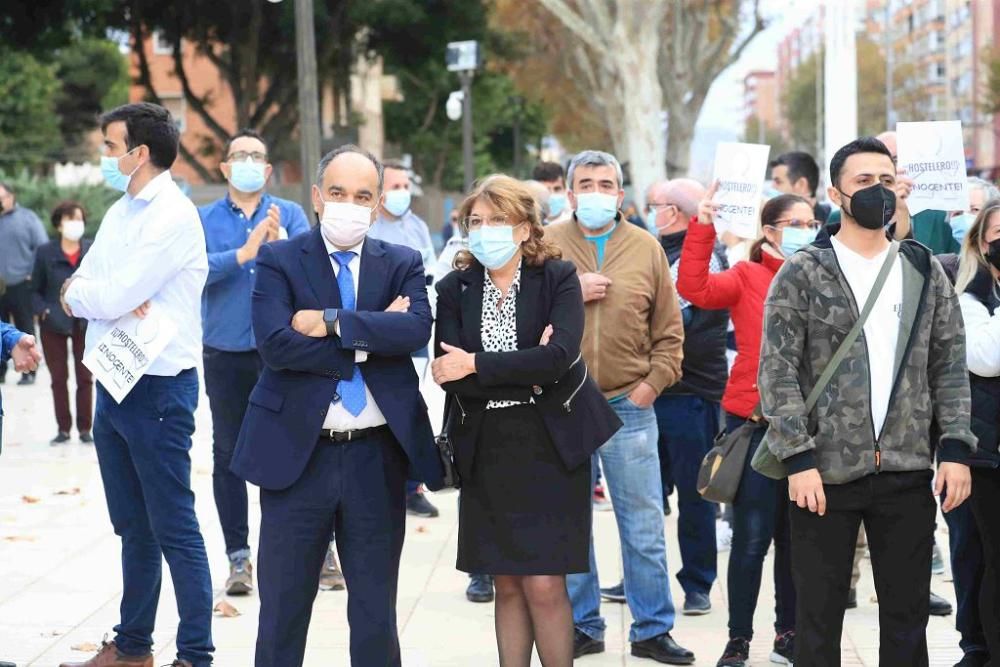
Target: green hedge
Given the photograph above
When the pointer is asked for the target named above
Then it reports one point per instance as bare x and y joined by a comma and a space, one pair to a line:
41, 195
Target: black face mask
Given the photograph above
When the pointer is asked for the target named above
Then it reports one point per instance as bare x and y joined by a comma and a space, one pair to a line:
873, 207
993, 254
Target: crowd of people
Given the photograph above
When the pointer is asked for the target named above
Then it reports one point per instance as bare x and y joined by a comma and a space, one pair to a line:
584, 349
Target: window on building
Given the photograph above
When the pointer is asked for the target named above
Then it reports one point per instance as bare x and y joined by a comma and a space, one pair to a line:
161, 45
177, 106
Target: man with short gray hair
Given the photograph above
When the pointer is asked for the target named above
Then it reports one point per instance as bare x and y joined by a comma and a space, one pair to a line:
21, 233
336, 423
632, 343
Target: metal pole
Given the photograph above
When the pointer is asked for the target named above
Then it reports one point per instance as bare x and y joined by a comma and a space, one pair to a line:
305, 38
889, 66
466, 77
518, 108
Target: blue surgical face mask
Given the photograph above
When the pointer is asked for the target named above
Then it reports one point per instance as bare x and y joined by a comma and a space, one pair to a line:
557, 204
596, 209
960, 226
247, 176
113, 176
795, 238
397, 202
493, 246
651, 222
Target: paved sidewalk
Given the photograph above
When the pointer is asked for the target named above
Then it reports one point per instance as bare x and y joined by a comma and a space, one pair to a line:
60, 571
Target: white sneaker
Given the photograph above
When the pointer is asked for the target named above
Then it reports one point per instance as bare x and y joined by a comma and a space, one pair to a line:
723, 535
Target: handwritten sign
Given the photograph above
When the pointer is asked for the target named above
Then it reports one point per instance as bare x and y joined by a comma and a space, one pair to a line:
933, 155
125, 353
740, 170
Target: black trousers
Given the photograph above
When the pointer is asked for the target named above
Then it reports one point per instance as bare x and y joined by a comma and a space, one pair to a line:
229, 379
16, 308
898, 513
985, 499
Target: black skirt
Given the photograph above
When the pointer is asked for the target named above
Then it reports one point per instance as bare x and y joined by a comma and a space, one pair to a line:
522, 512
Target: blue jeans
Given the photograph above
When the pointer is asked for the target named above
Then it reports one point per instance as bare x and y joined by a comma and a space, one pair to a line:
688, 425
631, 466
760, 514
143, 450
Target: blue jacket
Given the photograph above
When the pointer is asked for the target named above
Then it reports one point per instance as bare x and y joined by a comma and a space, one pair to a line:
8, 339
289, 404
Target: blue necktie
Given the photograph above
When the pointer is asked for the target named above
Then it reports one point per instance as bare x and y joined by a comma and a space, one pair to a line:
352, 391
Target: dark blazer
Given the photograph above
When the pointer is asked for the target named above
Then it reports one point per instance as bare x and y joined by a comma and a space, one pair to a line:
577, 415
289, 404
52, 269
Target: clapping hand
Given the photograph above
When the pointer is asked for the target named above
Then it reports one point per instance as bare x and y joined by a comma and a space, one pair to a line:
400, 305
26, 355
454, 365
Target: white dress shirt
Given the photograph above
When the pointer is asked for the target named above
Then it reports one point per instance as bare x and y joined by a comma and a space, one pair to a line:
150, 247
338, 418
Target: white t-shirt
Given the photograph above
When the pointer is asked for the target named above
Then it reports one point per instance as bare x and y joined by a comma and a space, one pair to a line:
882, 327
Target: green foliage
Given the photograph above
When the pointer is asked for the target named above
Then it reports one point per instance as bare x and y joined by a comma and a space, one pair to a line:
41, 195
29, 129
94, 77
798, 103
991, 93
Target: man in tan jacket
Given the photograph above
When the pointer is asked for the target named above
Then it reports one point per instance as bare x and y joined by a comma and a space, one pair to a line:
632, 344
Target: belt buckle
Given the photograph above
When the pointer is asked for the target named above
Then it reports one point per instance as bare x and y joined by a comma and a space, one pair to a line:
350, 435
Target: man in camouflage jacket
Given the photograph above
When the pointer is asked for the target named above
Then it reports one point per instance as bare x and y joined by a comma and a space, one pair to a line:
864, 452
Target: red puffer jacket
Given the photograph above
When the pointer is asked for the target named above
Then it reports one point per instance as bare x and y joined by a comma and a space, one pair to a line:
742, 289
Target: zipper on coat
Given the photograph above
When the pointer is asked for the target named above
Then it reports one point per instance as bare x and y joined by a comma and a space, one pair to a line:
461, 408
568, 404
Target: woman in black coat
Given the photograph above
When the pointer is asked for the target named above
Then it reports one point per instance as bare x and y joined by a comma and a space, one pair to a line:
524, 418
55, 262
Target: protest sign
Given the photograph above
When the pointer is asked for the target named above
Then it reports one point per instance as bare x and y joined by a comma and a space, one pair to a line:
933, 155
125, 353
740, 170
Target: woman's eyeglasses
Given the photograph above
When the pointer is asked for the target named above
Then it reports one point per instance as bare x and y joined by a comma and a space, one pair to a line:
800, 224
475, 221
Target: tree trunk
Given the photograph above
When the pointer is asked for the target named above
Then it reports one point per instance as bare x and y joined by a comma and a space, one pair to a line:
679, 139
642, 126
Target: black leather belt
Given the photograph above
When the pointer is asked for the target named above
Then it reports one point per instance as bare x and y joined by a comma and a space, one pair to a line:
355, 434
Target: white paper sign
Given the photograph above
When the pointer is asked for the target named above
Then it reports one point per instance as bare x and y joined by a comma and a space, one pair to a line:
933, 155
125, 353
740, 170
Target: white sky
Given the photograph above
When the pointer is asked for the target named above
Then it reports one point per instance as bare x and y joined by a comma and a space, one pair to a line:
724, 104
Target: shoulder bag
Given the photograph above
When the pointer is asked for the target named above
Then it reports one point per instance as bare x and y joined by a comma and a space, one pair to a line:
764, 461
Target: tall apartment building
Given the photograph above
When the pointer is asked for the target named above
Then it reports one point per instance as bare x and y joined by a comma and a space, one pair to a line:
937, 61
760, 102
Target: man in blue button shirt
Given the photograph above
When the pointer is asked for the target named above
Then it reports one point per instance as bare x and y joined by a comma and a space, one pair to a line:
235, 228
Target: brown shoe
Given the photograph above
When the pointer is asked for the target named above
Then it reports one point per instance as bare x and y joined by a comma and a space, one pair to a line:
330, 577
109, 656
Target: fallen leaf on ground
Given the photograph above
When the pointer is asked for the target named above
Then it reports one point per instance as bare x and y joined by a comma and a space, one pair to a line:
19, 538
51, 633
88, 647
226, 610
422, 529
75, 491
30, 500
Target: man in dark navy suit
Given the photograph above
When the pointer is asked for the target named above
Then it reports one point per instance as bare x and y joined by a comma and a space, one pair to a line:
336, 424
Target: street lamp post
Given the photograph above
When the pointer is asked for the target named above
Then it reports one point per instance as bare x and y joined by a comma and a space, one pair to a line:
518, 103
309, 135
464, 58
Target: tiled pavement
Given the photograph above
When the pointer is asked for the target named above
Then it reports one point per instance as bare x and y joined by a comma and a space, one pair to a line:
60, 572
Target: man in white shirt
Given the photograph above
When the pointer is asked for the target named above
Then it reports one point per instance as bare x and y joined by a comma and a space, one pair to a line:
149, 257
336, 423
